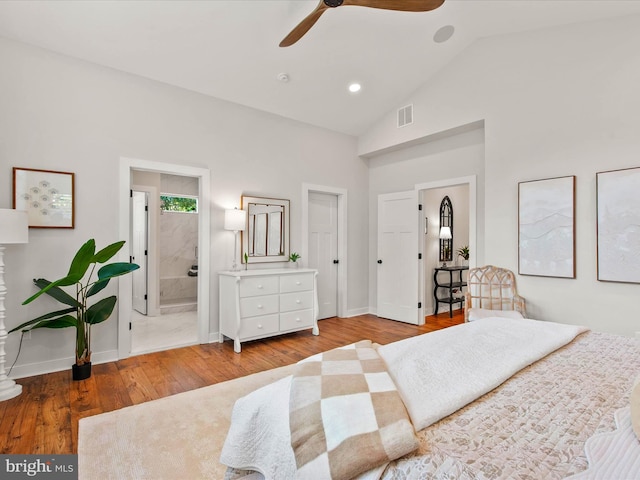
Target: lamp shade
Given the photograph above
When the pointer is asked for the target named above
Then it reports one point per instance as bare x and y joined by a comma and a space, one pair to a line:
445, 233
235, 220
14, 226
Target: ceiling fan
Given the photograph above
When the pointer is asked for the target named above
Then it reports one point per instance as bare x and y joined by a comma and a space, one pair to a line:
401, 5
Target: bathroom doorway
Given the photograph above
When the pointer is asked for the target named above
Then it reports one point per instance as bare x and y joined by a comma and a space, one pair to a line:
165, 298
148, 177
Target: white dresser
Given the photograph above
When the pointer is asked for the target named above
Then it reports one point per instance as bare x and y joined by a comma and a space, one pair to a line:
263, 303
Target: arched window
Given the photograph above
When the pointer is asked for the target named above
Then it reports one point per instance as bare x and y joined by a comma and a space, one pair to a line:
446, 230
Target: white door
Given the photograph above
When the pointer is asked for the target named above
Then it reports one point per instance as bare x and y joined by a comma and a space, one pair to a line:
398, 222
323, 249
139, 223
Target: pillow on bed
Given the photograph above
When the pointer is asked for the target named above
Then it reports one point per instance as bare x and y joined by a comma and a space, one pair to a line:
478, 313
635, 407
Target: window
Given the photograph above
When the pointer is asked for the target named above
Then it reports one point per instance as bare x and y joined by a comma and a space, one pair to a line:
178, 203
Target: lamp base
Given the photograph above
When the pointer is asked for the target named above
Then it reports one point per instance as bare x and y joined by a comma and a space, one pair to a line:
9, 389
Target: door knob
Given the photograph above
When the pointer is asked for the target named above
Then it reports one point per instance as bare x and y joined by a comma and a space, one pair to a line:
379, 261
336, 261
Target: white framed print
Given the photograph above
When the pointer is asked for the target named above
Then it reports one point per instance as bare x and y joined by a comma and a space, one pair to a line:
47, 196
618, 225
546, 227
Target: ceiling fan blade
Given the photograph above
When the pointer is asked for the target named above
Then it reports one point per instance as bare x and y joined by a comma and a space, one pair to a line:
304, 26
402, 5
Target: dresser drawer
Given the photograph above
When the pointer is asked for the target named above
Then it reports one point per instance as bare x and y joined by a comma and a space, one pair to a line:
259, 326
296, 301
296, 283
297, 319
262, 285
253, 306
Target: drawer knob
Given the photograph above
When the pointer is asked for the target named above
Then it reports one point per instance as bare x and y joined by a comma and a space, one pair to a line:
297, 301
298, 283
259, 325
260, 306
298, 320
260, 287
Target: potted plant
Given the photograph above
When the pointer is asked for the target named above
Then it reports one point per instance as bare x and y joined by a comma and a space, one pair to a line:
294, 257
246, 260
463, 252
79, 313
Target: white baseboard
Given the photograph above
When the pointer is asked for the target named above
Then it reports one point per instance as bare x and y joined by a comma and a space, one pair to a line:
59, 365
354, 312
214, 337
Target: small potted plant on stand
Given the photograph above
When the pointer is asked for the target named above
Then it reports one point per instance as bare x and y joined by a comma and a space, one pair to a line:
79, 313
464, 253
294, 257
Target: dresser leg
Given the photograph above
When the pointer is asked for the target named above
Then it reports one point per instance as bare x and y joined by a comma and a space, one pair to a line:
315, 330
236, 345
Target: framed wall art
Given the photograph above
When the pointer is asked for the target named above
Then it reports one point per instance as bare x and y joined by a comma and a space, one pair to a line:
47, 196
546, 227
618, 225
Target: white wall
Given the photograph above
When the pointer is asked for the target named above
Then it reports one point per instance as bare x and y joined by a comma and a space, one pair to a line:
63, 114
453, 156
563, 101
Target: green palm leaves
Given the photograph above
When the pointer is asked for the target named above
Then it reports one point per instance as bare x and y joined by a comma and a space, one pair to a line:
78, 313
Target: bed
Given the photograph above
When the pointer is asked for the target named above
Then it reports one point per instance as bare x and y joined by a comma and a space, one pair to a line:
493, 399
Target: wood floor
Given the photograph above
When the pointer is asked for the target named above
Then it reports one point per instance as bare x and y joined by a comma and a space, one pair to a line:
44, 418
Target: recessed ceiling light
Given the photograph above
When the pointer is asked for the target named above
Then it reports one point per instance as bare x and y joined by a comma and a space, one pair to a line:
443, 34
354, 87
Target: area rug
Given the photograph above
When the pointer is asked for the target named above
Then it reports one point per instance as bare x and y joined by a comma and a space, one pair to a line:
173, 437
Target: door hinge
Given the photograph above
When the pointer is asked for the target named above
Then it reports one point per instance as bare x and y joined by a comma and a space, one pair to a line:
145, 297
130, 193
419, 256
419, 304
419, 206
130, 259
145, 252
146, 208
129, 325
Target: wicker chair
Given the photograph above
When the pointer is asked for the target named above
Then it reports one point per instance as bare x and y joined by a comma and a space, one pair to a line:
492, 288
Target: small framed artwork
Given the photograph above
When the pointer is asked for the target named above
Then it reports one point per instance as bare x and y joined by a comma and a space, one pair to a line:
618, 225
546, 227
47, 196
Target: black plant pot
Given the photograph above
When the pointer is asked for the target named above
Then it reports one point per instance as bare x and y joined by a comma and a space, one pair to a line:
81, 372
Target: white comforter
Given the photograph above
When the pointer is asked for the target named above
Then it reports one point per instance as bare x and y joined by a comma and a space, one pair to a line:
436, 374
441, 372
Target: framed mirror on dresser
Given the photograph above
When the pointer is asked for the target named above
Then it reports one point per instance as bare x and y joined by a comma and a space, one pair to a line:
266, 236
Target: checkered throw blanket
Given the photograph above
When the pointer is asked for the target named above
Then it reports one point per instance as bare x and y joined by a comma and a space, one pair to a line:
346, 416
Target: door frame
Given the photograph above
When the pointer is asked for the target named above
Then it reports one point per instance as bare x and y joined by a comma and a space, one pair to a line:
125, 302
341, 193
471, 182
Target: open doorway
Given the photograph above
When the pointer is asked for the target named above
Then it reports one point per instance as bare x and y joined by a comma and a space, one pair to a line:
164, 233
176, 233
462, 195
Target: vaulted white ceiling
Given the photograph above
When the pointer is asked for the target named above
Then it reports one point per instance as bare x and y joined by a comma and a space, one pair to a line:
229, 49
